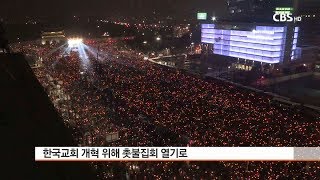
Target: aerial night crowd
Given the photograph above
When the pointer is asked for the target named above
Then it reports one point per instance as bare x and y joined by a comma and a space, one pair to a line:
153, 105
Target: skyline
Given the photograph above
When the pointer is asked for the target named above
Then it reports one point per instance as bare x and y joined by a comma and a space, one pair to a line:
179, 9
60, 8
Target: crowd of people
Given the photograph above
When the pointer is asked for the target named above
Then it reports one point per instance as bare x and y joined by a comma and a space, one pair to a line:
152, 105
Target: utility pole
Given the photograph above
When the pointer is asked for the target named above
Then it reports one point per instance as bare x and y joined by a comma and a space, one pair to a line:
98, 52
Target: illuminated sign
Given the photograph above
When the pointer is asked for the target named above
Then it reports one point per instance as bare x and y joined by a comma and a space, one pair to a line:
202, 16
284, 9
284, 14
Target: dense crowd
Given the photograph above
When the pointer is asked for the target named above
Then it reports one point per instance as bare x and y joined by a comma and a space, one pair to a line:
153, 105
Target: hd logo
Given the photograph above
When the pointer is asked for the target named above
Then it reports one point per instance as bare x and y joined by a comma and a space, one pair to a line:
285, 15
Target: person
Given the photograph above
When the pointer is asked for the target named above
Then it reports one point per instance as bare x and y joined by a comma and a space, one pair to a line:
4, 43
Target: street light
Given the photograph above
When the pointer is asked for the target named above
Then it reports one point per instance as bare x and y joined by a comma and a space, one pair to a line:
145, 42
192, 45
167, 50
158, 40
213, 18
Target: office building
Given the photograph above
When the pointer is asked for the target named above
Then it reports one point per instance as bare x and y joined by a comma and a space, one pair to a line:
263, 43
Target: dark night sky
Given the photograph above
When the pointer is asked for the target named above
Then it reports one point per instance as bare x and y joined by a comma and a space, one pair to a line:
22, 8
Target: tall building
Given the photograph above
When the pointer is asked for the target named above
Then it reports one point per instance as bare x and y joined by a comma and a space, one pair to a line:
308, 7
309, 10
265, 43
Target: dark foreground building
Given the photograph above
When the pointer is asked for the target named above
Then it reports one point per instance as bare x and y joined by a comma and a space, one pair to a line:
28, 119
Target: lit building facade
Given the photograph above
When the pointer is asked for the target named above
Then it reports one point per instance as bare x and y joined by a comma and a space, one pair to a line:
52, 37
310, 24
268, 44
